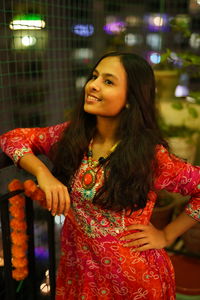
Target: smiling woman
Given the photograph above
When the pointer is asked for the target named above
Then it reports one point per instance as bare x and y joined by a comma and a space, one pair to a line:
110, 161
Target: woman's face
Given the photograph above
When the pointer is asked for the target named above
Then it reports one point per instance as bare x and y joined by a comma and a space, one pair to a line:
105, 92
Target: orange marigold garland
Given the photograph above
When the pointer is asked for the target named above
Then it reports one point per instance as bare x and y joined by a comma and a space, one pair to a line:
18, 224
18, 232
34, 192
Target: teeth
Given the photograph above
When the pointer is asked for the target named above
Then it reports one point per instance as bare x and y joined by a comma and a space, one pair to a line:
93, 98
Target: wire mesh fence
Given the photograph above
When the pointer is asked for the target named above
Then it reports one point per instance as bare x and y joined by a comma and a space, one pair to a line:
47, 48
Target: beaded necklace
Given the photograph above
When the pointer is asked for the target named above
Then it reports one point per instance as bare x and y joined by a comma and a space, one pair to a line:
90, 175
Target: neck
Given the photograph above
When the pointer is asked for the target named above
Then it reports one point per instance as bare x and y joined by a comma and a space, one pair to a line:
106, 130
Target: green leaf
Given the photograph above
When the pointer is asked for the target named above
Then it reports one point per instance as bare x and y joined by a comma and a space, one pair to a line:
177, 105
193, 112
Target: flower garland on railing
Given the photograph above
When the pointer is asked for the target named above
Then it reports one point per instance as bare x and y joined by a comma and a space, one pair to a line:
19, 237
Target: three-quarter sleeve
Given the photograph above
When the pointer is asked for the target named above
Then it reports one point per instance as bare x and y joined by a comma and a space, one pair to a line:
176, 175
39, 140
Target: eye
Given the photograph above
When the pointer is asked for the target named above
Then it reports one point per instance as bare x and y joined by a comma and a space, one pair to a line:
108, 82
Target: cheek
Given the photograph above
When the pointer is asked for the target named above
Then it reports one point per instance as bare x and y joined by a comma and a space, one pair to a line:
120, 99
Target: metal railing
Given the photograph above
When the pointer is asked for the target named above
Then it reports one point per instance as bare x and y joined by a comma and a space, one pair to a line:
29, 290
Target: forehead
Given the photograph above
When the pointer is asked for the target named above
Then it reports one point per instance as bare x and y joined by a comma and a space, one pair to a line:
111, 65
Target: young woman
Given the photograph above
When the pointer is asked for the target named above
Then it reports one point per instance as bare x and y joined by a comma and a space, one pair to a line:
109, 162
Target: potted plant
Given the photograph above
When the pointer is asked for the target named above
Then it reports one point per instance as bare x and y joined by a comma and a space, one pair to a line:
173, 63
180, 124
179, 116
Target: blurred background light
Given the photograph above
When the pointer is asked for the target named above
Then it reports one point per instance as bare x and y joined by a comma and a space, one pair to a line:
83, 54
195, 40
181, 91
80, 82
45, 286
22, 39
111, 19
154, 40
157, 22
133, 21
154, 57
132, 39
28, 40
41, 252
83, 29
115, 27
28, 22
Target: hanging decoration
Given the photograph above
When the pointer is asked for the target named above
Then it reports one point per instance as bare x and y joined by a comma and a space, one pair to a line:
19, 237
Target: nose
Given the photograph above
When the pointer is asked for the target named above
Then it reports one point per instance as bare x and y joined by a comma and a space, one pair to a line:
94, 85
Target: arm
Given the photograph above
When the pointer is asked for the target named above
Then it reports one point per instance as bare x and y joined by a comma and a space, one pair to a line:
22, 145
177, 227
20, 141
150, 237
174, 175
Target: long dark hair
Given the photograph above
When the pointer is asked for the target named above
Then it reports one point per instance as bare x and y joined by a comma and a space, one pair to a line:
131, 166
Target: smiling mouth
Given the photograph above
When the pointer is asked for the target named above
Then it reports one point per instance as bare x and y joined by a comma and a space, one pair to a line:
92, 98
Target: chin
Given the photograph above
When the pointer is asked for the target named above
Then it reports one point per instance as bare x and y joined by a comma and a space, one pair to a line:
89, 110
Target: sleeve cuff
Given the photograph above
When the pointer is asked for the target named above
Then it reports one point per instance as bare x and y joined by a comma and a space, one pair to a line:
193, 212
19, 153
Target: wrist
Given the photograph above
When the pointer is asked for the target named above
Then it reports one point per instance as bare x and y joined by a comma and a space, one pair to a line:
42, 170
168, 238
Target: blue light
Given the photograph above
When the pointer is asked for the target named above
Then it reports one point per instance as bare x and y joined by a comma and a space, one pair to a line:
155, 58
83, 29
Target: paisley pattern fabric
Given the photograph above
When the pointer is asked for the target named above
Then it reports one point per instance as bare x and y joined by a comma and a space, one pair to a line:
94, 265
20, 141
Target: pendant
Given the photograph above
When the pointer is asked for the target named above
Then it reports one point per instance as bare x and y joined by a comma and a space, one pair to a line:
89, 179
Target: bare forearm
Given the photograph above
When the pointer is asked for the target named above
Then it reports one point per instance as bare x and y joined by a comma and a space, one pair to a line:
57, 196
177, 227
33, 165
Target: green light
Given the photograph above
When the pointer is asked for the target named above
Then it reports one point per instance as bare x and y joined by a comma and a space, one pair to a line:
27, 22
25, 17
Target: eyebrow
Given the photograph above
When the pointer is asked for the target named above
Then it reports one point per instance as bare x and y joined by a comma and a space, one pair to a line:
107, 74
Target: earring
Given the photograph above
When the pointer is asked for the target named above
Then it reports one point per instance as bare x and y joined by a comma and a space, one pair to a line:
127, 105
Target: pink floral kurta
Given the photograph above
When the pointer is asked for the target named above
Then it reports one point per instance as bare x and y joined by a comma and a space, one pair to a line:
94, 264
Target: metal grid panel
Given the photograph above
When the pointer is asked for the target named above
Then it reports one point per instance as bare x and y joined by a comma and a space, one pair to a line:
41, 71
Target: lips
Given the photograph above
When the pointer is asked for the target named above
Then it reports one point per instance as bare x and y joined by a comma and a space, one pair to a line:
91, 98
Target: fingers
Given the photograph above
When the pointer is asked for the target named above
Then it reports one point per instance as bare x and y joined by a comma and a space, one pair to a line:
48, 199
56, 196
138, 242
143, 248
148, 237
67, 202
63, 201
58, 200
134, 236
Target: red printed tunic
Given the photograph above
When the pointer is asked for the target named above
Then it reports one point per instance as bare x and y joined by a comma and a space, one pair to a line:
94, 265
